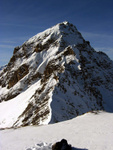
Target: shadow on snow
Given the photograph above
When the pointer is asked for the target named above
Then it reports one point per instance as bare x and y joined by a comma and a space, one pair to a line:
74, 148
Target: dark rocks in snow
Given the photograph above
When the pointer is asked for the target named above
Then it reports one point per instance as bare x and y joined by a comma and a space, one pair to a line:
62, 145
18, 75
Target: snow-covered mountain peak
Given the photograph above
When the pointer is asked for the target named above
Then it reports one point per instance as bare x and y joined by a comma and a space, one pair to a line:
64, 29
54, 76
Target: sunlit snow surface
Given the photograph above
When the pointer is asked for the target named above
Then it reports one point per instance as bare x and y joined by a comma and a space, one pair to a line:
91, 131
19, 104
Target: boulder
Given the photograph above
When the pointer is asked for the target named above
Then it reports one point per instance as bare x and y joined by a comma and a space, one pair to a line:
62, 145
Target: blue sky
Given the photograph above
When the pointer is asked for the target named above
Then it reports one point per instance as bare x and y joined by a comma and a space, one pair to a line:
21, 19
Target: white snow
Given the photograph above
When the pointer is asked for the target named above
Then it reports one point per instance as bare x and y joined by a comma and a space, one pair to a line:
79, 67
11, 110
3, 90
91, 131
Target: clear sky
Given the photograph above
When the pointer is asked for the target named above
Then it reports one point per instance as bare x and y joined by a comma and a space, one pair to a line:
21, 19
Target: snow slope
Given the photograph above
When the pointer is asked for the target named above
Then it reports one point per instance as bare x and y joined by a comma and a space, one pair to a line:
20, 102
91, 131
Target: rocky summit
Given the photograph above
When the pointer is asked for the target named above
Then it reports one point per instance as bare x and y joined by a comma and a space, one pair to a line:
54, 76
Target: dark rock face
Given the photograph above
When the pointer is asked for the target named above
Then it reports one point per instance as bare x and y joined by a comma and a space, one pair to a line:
62, 145
18, 75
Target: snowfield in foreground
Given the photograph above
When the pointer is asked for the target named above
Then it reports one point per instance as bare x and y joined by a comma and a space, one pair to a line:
91, 131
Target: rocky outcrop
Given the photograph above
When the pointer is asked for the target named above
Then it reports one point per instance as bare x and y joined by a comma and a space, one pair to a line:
61, 145
18, 75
